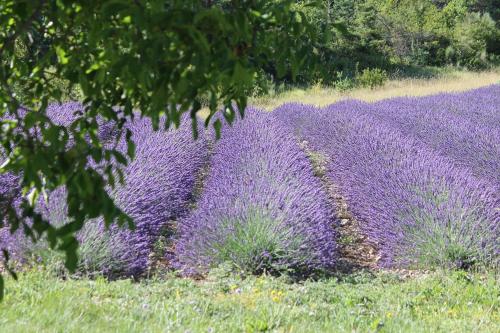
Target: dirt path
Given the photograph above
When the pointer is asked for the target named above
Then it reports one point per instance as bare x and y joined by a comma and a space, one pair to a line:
356, 250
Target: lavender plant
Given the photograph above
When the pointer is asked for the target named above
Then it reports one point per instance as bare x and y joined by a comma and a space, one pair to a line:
65, 114
159, 185
158, 188
101, 250
262, 209
459, 126
9, 194
420, 207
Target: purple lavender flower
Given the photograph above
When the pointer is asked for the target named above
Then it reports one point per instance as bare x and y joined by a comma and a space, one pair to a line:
66, 113
159, 184
158, 188
421, 207
464, 127
262, 208
9, 196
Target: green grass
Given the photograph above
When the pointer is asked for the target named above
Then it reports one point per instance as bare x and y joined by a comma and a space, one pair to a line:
361, 302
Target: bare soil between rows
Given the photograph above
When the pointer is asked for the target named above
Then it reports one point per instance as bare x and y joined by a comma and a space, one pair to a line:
357, 252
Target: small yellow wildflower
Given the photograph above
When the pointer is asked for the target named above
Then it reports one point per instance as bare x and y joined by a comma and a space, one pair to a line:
276, 295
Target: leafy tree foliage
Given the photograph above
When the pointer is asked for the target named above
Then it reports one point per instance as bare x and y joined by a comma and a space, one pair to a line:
391, 35
424, 32
475, 41
159, 57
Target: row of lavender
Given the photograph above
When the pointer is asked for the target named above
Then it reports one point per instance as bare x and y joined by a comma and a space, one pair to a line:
464, 127
421, 174
158, 188
261, 210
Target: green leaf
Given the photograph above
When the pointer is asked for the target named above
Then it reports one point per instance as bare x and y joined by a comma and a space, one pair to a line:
93, 67
33, 196
131, 149
2, 287
217, 126
241, 75
70, 247
5, 163
194, 119
242, 104
32, 118
127, 19
229, 114
119, 157
61, 55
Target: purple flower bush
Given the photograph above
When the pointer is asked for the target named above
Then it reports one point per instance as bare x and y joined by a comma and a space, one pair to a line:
420, 207
480, 104
9, 196
459, 126
159, 185
158, 188
9, 190
420, 174
262, 209
101, 251
66, 113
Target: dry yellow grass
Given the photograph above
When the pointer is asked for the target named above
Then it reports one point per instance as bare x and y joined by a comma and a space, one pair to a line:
321, 96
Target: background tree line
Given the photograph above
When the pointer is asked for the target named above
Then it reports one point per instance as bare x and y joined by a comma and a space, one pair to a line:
360, 40
396, 35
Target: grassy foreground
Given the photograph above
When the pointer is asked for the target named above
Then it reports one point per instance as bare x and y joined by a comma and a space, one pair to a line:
362, 302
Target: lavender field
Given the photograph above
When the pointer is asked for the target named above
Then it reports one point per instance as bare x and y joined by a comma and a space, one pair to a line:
424, 187
421, 177
294, 219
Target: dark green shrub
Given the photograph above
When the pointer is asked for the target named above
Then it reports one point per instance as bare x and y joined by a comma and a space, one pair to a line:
372, 77
474, 41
